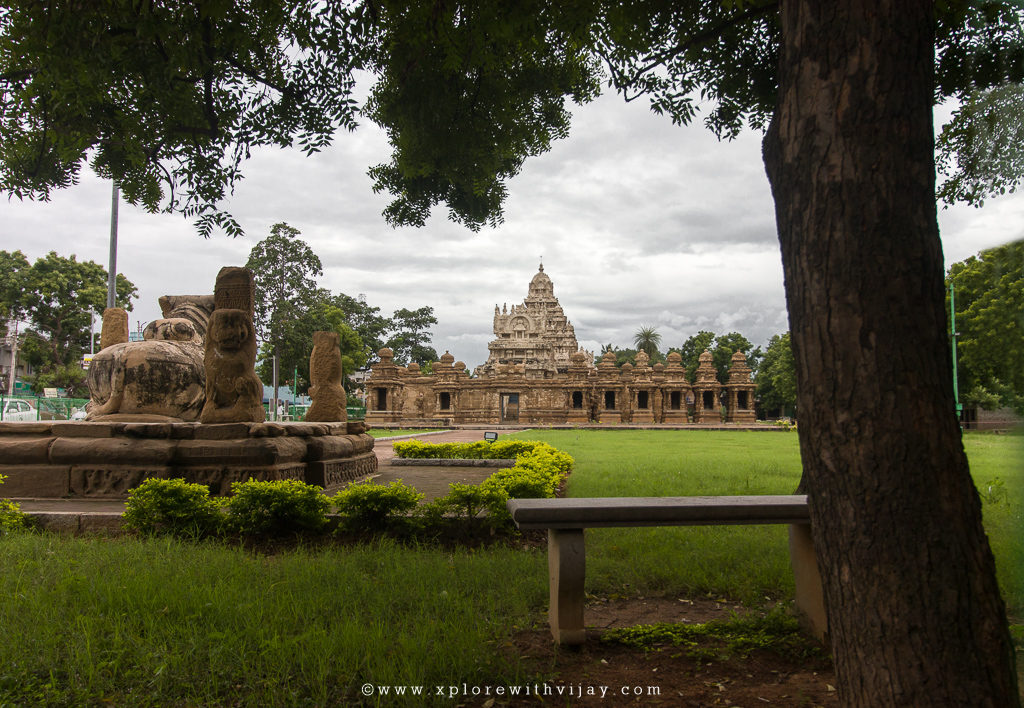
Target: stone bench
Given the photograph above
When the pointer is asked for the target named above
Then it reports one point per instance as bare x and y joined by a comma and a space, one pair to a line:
565, 520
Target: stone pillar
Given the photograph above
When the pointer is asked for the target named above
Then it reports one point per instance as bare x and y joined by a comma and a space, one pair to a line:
235, 290
115, 327
325, 379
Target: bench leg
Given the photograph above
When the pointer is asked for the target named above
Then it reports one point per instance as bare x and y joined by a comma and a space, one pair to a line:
566, 571
810, 600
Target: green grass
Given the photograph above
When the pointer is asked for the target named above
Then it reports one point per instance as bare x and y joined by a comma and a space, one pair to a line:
746, 563
382, 433
160, 622
145, 622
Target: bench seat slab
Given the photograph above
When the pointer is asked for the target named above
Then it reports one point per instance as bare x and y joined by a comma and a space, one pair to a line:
595, 512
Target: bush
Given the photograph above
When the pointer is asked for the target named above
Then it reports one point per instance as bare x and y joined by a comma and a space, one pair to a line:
467, 501
374, 506
172, 506
11, 516
281, 506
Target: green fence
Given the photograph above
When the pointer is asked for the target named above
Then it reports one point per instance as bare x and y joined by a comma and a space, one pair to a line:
298, 412
32, 408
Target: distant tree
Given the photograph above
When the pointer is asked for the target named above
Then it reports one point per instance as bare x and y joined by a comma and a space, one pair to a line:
13, 269
721, 347
776, 377
322, 315
989, 298
647, 339
729, 344
58, 296
693, 347
284, 268
409, 335
363, 318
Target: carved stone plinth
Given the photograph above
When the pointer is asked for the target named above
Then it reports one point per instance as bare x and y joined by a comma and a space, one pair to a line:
107, 459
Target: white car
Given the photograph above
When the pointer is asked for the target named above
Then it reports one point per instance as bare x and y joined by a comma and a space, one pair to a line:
15, 410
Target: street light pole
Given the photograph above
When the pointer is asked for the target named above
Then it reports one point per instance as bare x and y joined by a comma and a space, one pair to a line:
112, 269
952, 336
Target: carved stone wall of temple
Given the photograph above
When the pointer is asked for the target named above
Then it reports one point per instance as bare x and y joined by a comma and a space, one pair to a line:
536, 374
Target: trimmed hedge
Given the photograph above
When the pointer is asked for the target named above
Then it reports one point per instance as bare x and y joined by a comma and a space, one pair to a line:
176, 507
480, 450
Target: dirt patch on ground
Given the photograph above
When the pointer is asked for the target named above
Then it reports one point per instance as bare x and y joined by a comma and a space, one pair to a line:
610, 674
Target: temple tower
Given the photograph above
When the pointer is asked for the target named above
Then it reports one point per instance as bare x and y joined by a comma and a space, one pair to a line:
535, 335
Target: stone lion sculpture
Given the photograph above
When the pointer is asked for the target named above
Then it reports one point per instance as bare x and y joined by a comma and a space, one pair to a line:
162, 375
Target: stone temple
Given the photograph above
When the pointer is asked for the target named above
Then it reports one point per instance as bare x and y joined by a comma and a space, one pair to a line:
536, 373
536, 335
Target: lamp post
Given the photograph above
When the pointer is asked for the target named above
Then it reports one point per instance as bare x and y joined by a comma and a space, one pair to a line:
112, 269
953, 336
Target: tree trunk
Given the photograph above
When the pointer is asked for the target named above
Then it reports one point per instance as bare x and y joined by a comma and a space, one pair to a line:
915, 614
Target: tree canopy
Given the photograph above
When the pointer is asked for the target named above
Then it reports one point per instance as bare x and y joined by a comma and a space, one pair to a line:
168, 98
58, 296
171, 99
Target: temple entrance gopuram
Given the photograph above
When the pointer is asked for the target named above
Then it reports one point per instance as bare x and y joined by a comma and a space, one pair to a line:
536, 373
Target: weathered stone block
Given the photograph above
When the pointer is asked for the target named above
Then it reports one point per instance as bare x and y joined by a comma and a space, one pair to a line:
354, 427
249, 452
183, 431
222, 431
115, 327
25, 451
35, 481
306, 429
328, 447
363, 443
9, 428
219, 478
235, 290
146, 430
111, 481
95, 522
115, 451
82, 429
332, 474
266, 430
64, 522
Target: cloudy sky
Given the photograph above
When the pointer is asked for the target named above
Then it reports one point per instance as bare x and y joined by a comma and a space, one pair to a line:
638, 222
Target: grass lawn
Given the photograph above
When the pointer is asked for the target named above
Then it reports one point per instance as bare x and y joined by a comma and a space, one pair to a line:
159, 622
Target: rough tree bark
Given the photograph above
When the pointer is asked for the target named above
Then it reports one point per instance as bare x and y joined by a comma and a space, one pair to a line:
915, 614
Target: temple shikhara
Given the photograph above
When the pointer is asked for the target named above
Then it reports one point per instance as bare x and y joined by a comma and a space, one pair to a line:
536, 373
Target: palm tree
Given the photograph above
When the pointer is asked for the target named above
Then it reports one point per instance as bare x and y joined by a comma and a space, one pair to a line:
647, 339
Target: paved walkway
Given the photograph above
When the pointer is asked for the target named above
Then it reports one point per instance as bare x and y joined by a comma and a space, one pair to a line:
432, 481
